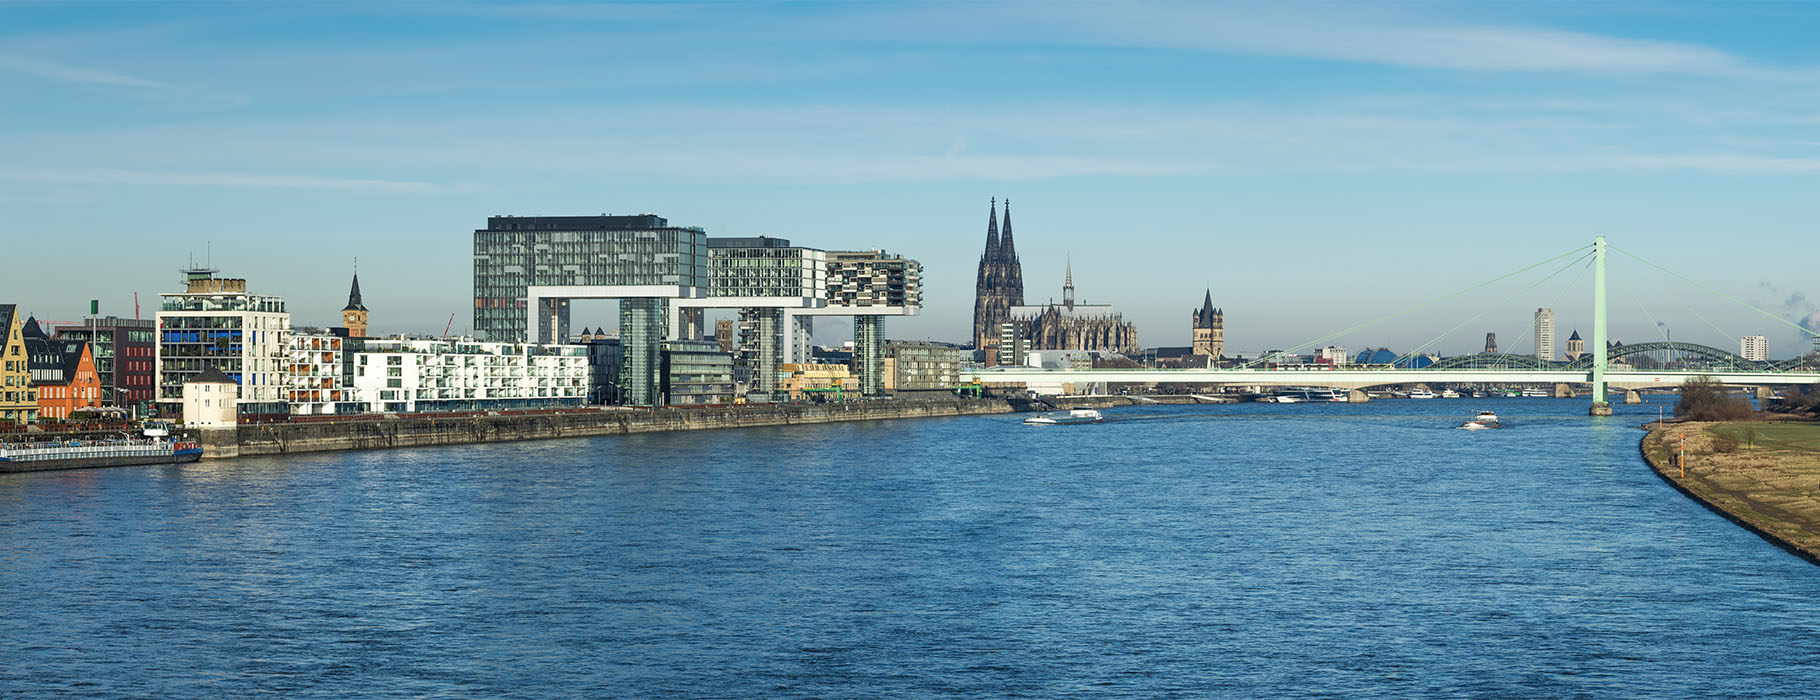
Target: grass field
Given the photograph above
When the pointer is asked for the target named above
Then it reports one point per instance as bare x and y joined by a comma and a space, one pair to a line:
1766, 474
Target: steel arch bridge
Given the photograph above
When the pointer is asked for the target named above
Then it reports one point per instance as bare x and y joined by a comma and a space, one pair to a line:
1711, 354
1492, 360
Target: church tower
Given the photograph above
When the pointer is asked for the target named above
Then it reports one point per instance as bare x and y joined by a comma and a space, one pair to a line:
1209, 329
354, 315
1000, 284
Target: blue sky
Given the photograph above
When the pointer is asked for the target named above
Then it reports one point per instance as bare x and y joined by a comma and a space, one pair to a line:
1314, 164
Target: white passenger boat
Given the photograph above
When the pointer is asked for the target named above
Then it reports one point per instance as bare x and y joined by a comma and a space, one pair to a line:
1074, 415
1535, 393
1449, 394
1421, 394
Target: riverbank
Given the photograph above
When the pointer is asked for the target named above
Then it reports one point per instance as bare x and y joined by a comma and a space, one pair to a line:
1764, 476
286, 438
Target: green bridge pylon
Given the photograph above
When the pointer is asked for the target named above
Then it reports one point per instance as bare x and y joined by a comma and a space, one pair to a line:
1598, 327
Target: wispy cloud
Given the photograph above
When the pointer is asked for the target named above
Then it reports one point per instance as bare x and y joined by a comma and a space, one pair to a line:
1321, 31
74, 74
105, 176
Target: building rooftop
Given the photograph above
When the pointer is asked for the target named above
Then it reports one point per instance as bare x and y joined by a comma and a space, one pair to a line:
604, 222
748, 242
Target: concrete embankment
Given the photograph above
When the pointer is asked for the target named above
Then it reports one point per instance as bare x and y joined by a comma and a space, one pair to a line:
1763, 477
284, 438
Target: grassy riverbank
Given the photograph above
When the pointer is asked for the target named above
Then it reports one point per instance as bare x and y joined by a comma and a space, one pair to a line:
1764, 476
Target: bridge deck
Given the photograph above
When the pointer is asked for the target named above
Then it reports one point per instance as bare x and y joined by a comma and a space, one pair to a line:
1359, 379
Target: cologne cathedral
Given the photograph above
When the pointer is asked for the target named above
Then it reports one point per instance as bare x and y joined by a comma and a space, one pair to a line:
1000, 285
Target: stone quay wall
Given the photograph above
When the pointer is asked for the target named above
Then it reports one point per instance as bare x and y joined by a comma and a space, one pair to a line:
421, 431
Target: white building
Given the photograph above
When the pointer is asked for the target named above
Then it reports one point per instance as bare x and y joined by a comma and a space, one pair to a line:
315, 370
1754, 347
1335, 355
1545, 334
209, 400
214, 323
403, 375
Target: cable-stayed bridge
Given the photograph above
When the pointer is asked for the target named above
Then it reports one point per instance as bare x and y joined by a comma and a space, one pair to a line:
1596, 368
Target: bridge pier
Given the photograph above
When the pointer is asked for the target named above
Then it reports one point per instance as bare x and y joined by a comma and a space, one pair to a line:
1357, 396
1599, 408
1564, 391
1765, 393
1631, 396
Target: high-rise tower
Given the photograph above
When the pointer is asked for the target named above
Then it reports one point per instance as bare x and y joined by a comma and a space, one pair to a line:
1209, 329
1000, 285
1545, 334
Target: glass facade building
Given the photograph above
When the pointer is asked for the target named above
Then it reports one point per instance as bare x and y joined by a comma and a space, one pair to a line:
696, 372
514, 253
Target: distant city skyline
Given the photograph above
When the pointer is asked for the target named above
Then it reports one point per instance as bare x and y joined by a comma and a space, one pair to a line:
1315, 166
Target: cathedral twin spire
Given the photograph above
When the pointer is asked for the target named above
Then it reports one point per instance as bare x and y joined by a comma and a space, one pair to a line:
1000, 285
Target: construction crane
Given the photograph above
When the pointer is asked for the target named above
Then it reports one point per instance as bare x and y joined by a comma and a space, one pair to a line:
446, 327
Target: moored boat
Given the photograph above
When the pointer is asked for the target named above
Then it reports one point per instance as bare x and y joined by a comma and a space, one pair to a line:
79, 454
1421, 394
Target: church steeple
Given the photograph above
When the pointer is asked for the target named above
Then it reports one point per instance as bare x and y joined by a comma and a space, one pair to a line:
1007, 247
992, 244
354, 315
1000, 284
354, 296
1068, 285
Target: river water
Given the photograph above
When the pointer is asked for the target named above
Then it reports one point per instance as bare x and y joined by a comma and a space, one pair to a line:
1173, 551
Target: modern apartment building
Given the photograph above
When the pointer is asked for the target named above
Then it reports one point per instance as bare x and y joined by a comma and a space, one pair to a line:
126, 351
870, 285
1754, 347
527, 269
216, 323
924, 366
409, 375
696, 372
318, 375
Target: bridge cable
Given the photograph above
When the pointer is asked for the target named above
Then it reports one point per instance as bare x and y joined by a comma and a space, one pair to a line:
1493, 307
1728, 297
1552, 303
1697, 315
1652, 319
1410, 310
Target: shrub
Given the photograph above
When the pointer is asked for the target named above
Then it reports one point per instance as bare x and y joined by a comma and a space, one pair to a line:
1723, 443
1704, 398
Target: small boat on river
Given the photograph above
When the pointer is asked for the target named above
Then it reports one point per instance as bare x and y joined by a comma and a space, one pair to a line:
1486, 420
1074, 415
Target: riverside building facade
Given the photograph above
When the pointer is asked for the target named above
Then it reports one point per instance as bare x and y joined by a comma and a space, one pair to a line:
18, 400
125, 357
412, 375
215, 323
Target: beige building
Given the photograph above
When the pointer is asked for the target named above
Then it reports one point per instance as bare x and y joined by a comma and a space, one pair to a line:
800, 381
